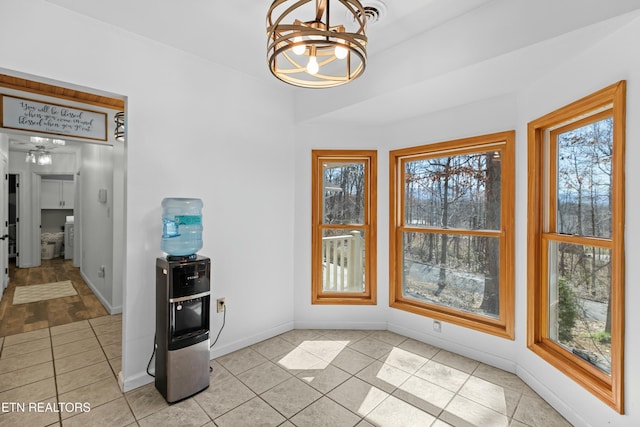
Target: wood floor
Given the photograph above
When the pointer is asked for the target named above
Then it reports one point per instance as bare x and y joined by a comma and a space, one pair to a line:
15, 319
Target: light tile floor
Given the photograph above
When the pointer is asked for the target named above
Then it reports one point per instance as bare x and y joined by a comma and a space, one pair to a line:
301, 378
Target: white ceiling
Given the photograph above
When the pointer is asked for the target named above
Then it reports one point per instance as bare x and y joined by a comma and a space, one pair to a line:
234, 31
424, 56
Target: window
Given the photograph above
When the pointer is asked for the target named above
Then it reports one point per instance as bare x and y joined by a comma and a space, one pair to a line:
451, 225
576, 249
344, 227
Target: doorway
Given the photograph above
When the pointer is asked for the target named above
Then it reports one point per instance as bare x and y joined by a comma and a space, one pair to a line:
98, 268
4, 229
14, 217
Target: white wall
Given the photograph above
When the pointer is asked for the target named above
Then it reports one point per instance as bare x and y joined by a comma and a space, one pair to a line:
94, 222
118, 206
195, 129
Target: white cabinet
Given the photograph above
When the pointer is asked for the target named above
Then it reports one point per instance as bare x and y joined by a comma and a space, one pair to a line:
68, 194
57, 194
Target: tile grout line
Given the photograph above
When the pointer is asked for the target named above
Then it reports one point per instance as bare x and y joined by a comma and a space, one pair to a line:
95, 335
55, 376
352, 376
256, 395
411, 375
259, 395
122, 393
440, 412
322, 394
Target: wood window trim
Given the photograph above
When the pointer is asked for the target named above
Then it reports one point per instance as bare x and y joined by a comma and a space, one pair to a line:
369, 296
504, 325
607, 388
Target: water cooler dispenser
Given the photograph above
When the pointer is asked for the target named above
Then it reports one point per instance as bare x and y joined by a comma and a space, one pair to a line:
182, 326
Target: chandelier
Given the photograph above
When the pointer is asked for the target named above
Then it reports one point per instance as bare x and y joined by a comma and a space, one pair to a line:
118, 132
40, 156
316, 43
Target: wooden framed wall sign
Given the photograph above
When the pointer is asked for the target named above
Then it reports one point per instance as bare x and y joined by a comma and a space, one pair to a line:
45, 117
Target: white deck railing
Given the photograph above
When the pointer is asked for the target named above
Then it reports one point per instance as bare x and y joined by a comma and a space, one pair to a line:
343, 263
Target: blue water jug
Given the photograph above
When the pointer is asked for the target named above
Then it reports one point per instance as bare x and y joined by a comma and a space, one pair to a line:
181, 226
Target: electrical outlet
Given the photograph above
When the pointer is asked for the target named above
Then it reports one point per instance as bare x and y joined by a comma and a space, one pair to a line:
437, 326
220, 305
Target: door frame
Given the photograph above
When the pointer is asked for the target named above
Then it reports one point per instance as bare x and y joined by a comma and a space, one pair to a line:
18, 179
4, 223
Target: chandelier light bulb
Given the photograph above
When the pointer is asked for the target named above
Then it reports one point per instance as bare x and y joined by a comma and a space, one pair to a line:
298, 50
44, 159
312, 65
341, 52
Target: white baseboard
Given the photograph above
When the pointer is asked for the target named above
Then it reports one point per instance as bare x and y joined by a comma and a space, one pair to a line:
133, 382
369, 326
455, 347
550, 397
221, 350
111, 309
142, 378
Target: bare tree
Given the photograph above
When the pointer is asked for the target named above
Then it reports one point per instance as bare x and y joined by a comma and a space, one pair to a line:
491, 298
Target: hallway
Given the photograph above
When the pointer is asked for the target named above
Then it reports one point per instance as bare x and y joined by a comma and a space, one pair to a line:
15, 319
